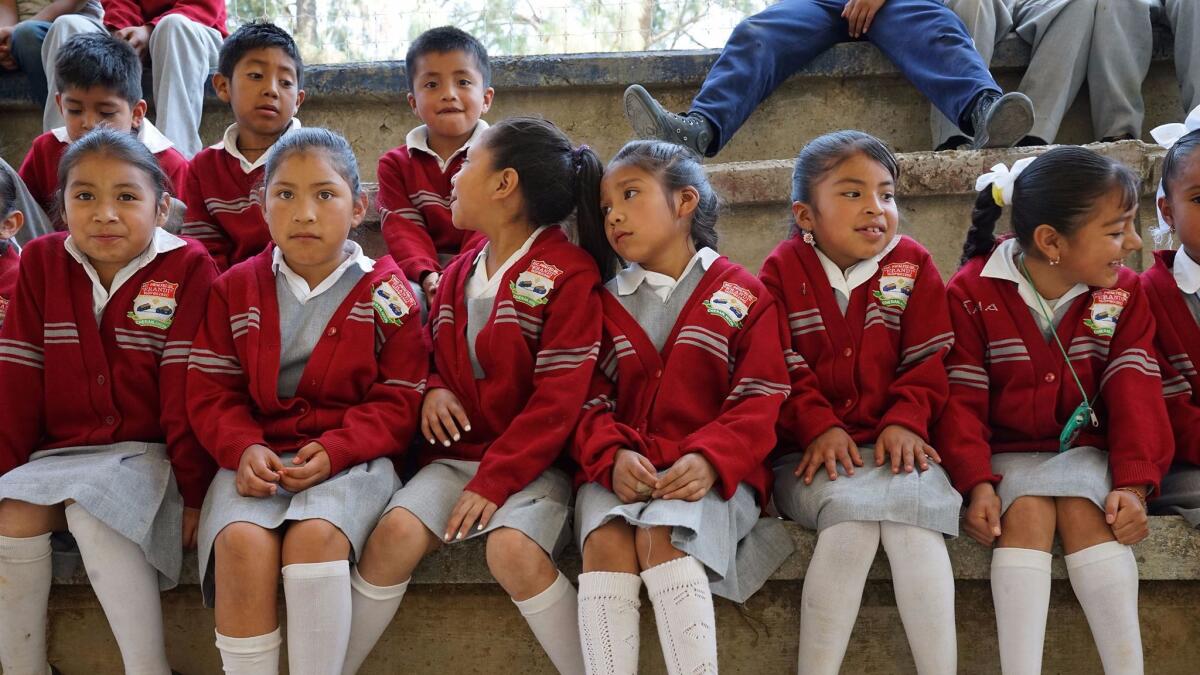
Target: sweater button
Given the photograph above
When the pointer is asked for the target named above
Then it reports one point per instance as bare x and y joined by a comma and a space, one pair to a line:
847, 352
657, 374
331, 332
110, 420
100, 379
1049, 377
847, 403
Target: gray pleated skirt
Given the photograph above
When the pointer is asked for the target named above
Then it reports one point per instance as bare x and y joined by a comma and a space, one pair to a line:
921, 498
1180, 494
352, 500
1078, 472
739, 549
540, 511
129, 487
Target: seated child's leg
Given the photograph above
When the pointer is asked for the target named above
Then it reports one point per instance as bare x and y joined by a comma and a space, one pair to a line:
543, 595
381, 577
247, 559
316, 589
1104, 576
924, 584
609, 604
127, 586
25, 564
677, 585
1021, 582
833, 587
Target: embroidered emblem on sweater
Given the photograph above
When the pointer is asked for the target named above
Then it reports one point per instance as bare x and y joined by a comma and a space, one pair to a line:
3, 310
731, 303
896, 281
155, 304
1107, 305
394, 300
533, 286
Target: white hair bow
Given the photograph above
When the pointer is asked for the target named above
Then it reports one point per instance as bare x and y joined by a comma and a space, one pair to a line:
1166, 135
1003, 179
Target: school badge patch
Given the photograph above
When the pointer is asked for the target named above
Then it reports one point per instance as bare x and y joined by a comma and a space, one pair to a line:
896, 281
1107, 305
394, 300
731, 303
155, 304
533, 286
3, 309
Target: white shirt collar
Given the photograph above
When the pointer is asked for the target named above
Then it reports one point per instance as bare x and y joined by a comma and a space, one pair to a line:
162, 242
479, 286
1001, 265
418, 139
299, 287
632, 277
147, 133
1186, 272
856, 275
229, 144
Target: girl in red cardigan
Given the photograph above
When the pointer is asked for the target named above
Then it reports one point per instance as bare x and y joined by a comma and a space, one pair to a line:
93, 358
515, 329
1056, 421
1172, 286
672, 442
867, 331
305, 380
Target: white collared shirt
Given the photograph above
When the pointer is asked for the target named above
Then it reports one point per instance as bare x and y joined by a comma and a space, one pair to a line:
147, 133
418, 139
479, 286
856, 275
1002, 265
299, 287
630, 278
229, 144
1186, 272
161, 242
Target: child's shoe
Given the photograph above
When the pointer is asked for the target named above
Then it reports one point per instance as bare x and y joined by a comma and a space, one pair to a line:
651, 120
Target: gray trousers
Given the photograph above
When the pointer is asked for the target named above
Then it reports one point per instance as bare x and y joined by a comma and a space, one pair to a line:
182, 54
1060, 33
1123, 53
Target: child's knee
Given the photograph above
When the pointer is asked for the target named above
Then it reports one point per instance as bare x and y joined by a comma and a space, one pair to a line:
611, 548
516, 561
243, 543
20, 519
400, 529
314, 540
654, 546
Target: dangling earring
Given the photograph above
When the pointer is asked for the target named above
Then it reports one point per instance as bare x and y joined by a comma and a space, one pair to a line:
809, 238
1054, 261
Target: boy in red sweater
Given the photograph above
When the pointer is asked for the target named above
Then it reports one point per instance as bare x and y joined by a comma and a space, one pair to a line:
260, 76
449, 81
100, 79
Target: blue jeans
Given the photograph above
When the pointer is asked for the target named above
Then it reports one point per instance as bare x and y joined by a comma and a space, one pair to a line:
926, 41
27, 40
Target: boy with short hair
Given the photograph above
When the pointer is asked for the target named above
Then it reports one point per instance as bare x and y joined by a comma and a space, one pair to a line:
260, 75
449, 83
100, 82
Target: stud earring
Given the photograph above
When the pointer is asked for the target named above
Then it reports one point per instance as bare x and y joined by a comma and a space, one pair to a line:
809, 238
1054, 261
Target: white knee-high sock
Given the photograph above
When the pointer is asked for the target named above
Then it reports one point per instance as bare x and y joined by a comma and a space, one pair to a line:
833, 588
25, 568
609, 622
127, 587
924, 584
317, 596
258, 655
1021, 594
683, 610
372, 608
1105, 579
553, 616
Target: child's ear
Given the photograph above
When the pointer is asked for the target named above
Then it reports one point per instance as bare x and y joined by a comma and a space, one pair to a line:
163, 213
138, 113
221, 86
299, 101
686, 201
58, 102
802, 215
1049, 242
507, 184
488, 95
412, 103
360, 210
1164, 208
11, 225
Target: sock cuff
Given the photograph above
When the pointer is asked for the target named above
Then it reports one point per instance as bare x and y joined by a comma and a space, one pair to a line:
1097, 553
25, 549
548, 598
1028, 558
616, 585
679, 572
256, 644
333, 568
370, 590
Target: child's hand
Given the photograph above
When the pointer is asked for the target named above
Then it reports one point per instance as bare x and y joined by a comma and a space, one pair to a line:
831, 447
258, 472
982, 519
904, 446
1126, 515
859, 14
470, 508
633, 476
310, 466
689, 479
441, 417
430, 285
138, 37
191, 523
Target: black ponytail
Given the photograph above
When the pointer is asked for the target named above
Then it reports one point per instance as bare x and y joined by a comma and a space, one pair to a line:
981, 238
589, 219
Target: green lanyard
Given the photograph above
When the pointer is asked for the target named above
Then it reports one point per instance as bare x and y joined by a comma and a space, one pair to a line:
1084, 412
